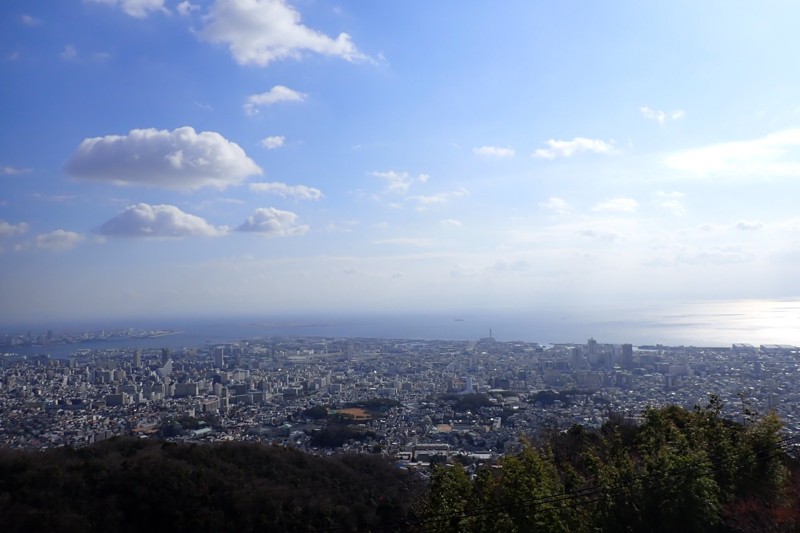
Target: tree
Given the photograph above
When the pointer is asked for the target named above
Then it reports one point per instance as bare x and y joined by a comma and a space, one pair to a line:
448, 498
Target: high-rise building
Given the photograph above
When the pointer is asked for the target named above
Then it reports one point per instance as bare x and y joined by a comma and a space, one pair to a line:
166, 355
627, 356
592, 351
219, 357
137, 359
469, 389
577, 357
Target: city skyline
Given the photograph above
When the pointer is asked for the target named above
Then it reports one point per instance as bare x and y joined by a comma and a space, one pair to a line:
165, 158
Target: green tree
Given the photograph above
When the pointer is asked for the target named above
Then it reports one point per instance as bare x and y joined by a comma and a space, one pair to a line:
448, 499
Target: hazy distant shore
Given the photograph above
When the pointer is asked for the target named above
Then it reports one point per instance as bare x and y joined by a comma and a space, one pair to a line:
692, 324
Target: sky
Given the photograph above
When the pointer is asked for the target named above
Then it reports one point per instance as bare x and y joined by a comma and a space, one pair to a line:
234, 157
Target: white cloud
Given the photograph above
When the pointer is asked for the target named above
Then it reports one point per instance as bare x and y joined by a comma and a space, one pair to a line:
408, 241
602, 235
464, 271
70, 53
440, 198
519, 265
101, 57
617, 205
277, 94
58, 240
8, 229
557, 205
576, 146
135, 8
451, 223
717, 255
271, 221
672, 201
345, 226
493, 151
13, 171
775, 155
185, 8
661, 116
300, 192
272, 142
181, 159
144, 220
258, 32
748, 225
30, 21
353, 271
399, 182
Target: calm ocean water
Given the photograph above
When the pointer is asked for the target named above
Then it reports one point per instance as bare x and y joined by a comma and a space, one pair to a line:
710, 323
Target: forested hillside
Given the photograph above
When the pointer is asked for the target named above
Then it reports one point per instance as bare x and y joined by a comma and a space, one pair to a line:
140, 485
675, 470
678, 470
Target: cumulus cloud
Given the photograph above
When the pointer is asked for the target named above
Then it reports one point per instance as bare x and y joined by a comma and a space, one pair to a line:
493, 151
271, 221
661, 116
277, 94
399, 182
557, 205
181, 160
186, 8
135, 8
272, 142
775, 155
8, 229
299, 192
58, 240
144, 220
258, 32
556, 149
617, 205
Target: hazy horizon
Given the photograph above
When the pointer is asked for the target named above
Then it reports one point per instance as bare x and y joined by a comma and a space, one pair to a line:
712, 323
272, 157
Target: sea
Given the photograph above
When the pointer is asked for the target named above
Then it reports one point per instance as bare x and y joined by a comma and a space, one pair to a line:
707, 323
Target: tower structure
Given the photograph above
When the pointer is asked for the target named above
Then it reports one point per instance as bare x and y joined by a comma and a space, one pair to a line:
592, 351
627, 356
219, 357
166, 355
469, 389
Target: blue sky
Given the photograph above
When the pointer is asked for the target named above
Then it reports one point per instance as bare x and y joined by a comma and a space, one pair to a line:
233, 157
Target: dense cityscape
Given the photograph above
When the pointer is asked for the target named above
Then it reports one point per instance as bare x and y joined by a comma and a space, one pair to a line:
411, 400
